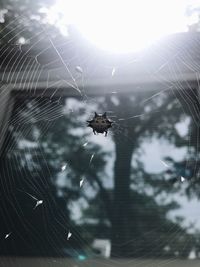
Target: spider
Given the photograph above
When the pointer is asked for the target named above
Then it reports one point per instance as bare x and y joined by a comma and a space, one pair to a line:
100, 123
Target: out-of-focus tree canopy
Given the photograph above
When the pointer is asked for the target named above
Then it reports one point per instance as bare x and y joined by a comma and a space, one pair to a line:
22, 18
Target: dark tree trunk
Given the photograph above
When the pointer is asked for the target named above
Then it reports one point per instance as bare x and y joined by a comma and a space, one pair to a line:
121, 205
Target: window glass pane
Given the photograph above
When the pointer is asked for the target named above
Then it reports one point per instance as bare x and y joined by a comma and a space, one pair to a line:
66, 191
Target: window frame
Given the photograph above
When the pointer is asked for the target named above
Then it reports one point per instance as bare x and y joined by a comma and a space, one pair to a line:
92, 85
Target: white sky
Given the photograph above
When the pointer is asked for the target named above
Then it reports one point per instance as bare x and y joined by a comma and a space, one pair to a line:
155, 152
123, 25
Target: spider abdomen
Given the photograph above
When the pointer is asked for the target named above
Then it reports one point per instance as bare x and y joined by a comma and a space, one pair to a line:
100, 123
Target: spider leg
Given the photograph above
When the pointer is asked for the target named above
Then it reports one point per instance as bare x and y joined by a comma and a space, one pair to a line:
106, 132
94, 131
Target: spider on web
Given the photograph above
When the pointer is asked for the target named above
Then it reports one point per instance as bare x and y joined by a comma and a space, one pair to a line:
100, 123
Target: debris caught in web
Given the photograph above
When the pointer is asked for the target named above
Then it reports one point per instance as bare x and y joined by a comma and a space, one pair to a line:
38, 203
165, 164
91, 158
69, 235
85, 144
113, 71
81, 182
7, 235
63, 167
182, 179
79, 69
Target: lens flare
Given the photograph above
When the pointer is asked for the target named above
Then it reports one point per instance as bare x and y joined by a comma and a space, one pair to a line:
120, 26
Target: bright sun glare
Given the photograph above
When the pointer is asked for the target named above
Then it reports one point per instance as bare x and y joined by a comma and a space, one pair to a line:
123, 25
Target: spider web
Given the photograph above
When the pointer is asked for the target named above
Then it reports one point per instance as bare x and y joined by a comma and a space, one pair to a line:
49, 88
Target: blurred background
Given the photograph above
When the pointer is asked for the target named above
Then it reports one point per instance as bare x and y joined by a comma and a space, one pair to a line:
69, 196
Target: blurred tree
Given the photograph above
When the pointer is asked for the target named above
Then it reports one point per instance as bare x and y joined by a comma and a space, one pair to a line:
129, 134
136, 131
120, 209
25, 14
127, 213
194, 12
31, 165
